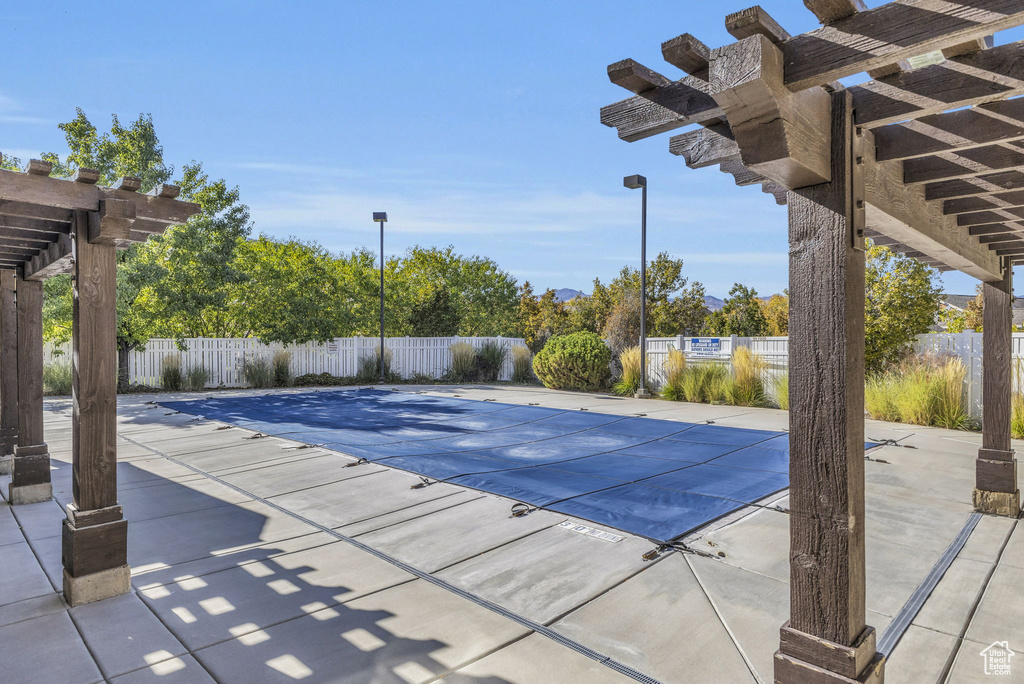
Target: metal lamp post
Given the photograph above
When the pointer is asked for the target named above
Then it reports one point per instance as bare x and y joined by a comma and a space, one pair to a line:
633, 182
381, 217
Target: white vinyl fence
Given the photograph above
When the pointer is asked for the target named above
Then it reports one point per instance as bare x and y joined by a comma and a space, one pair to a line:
224, 358
775, 350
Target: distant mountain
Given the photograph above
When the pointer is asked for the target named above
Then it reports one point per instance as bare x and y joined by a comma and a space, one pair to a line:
565, 294
713, 303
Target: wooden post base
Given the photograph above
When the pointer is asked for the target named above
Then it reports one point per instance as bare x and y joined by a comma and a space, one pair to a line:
8, 440
1006, 504
94, 551
97, 586
30, 470
19, 495
804, 658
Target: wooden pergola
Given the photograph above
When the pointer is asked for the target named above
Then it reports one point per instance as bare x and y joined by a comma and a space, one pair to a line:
927, 158
50, 226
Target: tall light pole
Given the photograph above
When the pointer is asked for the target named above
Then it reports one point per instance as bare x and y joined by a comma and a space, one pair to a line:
381, 217
633, 182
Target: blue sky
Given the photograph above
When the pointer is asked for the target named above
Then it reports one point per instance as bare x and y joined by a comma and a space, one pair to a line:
471, 123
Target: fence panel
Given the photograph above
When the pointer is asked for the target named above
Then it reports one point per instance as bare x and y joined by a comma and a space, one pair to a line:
224, 358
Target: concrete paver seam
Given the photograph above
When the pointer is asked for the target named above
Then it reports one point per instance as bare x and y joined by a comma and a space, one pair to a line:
961, 639
436, 581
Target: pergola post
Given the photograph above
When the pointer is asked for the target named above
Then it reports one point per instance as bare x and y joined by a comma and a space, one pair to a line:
95, 533
30, 475
996, 485
8, 370
826, 638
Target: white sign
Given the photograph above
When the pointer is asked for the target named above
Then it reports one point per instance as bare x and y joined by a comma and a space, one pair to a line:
705, 346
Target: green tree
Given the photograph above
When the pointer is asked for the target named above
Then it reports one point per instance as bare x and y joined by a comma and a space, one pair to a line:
123, 151
482, 293
742, 315
674, 305
434, 315
902, 300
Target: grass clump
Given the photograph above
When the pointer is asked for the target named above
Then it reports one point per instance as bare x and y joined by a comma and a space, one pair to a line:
522, 365
418, 378
369, 370
258, 372
282, 366
194, 378
464, 367
490, 357
675, 371
171, 377
780, 388
629, 382
1017, 402
57, 378
745, 386
704, 382
580, 361
923, 389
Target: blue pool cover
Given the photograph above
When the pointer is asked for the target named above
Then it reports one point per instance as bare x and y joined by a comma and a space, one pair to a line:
658, 479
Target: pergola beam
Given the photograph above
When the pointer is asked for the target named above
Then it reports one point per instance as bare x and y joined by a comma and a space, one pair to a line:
69, 195
964, 164
662, 109
994, 216
972, 79
986, 184
897, 30
55, 260
703, 147
1004, 200
992, 122
902, 212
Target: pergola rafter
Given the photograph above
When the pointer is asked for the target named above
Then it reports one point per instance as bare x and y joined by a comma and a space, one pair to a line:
50, 226
888, 160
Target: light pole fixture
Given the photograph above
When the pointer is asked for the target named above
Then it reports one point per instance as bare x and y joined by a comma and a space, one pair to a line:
633, 182
381, 217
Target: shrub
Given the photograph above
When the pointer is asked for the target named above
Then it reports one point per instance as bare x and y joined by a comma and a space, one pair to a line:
950, 403
745, 386
780, 387
258, 372
629, 382
463, 368
1017, 403
57, 378
578, 361
522, 365
195, 378
171, 378
370, 368
282, 363
324, 380
675, 370
418, 378
489, 359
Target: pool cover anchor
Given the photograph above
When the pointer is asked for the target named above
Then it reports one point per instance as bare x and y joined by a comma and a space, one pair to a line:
360, 461
895, 442
670, 547
424, 482
520, 509
258, 435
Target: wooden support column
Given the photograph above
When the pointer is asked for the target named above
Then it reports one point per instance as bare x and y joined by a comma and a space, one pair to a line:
30, 475
996, 488
8, 370
826, 638
95, 534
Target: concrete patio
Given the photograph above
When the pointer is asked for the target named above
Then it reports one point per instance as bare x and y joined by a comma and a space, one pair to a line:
240, 575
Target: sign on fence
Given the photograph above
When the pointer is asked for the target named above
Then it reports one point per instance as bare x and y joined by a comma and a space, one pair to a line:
705, 346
